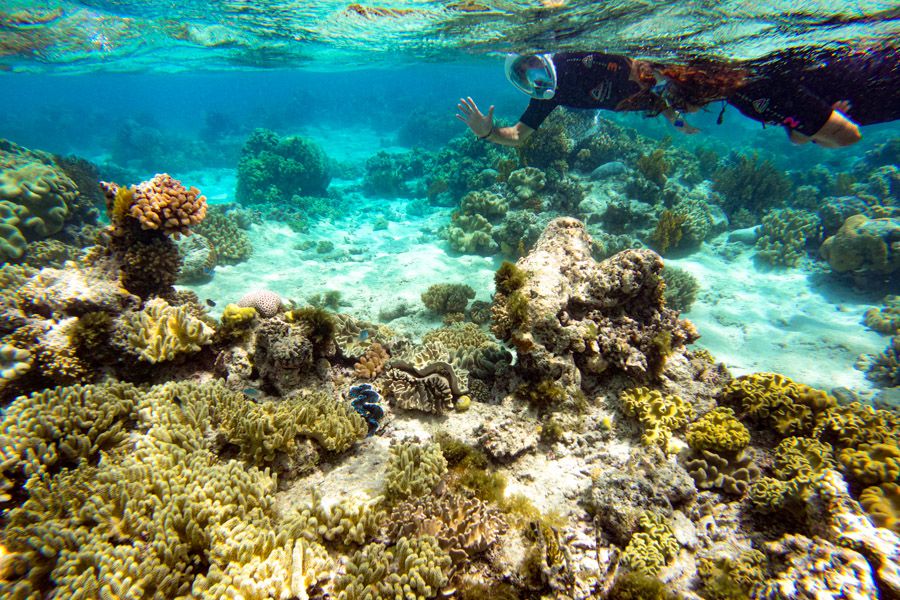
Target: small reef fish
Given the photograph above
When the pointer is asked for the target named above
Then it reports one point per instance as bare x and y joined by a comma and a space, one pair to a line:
252, 392
210, 302
363, 335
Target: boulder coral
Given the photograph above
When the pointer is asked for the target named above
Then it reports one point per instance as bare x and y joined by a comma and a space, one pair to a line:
275, 169
863, 244
574, 317
36, 197
164, 204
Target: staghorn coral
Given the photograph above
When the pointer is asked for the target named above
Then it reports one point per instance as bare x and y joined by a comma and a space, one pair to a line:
231, 244
650, 549
267, 304
660, 415
463, 527
863, 244
575, 317
160, 332
775, 400
413, 469
882, 502
373, 362
164, 204
413, 568
785, 234
732, 474
718, 431
445, 298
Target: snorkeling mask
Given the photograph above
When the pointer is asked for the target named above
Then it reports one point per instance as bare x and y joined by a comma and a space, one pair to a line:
533, 74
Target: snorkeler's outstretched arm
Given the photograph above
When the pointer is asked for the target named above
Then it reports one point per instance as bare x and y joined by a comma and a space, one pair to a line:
483, 125
837, 132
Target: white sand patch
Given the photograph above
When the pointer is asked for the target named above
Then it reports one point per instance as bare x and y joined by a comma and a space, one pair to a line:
782, 320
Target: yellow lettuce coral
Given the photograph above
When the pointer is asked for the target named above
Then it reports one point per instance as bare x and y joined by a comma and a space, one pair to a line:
775, 400
872, 464
161, 332
660, 415
719, 431
882, 502
650, 549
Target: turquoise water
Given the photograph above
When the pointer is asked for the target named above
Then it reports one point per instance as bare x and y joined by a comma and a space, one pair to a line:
351, 351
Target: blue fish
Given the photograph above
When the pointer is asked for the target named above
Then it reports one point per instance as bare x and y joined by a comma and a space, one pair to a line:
252, 392
363, 336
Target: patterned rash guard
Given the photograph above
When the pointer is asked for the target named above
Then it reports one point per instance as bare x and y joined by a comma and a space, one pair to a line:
584, 80
798, 93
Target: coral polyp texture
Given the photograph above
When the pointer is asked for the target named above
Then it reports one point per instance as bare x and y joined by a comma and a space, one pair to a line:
163, 203
574, 317
267, 304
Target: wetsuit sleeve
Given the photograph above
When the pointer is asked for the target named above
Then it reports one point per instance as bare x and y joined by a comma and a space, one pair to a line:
783, 102
537, 112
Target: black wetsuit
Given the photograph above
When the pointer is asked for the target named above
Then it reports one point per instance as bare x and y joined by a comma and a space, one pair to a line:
798, 91
584, 80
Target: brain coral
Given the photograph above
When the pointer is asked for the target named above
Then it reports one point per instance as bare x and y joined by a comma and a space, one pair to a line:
161, 332
266, 303
163, 203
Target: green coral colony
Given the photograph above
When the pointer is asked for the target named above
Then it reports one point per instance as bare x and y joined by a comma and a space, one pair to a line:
555, 437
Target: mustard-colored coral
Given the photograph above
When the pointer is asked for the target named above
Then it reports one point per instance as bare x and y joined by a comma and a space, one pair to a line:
885, 319
775, 400
733, 475
798, 463
413, 469
234, 316
719, 431
262, 430
660, 415
872, 464
650, 549
161, 332
413, 569
341, 524
14, 362
731, 578
850, 425
882, 502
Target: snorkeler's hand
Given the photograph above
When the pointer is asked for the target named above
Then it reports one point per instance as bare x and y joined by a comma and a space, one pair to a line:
480, 124
843, 106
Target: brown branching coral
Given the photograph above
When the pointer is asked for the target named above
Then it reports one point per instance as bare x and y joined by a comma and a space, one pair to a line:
668, 232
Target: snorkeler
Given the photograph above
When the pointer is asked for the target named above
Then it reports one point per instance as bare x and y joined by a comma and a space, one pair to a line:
822, 96
575, 80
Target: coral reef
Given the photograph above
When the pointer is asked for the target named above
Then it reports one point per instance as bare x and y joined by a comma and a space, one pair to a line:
732, 474
883, 368
413, 568
373, 362
433, 388
198, 259
273, 169
160, 332
659, 415
776, 401
651, 548
882, 502
746, 182
885, 319
365, 401
413, 470
718, 431
681, 288
463, 527
230, 242
444, 298
575, 317
785, 235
